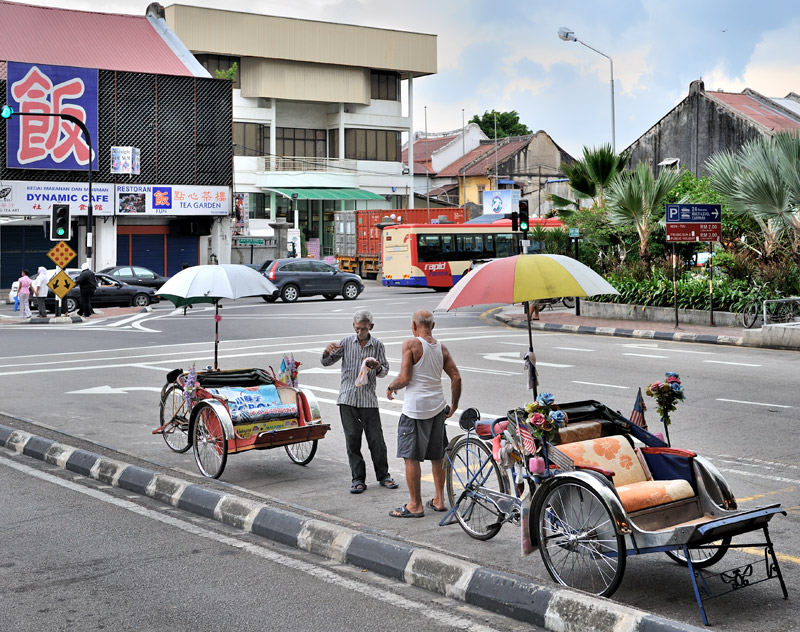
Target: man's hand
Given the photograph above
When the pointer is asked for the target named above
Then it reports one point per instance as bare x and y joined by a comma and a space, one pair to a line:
332, 348
390, 393
372, 363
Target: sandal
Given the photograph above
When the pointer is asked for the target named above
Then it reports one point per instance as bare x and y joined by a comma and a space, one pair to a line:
430, 505
389, 483
357, 487
403, 512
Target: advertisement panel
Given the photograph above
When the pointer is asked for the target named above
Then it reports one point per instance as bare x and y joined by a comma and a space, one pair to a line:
50, 142
173, 199
500, 202
37, 198
125, 160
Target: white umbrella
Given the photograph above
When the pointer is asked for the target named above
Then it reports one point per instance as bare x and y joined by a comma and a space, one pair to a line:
210, 283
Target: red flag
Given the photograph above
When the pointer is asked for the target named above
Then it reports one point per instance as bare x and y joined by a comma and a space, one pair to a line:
637, 416
527, 437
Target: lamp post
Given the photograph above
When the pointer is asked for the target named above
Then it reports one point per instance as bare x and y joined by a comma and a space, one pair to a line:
568, 35
7, 112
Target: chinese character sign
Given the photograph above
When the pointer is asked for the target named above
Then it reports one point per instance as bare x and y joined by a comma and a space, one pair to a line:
50, 142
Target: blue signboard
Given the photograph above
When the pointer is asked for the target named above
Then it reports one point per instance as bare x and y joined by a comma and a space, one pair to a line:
50, 142
699, 213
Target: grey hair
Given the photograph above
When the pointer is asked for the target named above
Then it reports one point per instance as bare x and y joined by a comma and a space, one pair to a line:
424, 318
362, 316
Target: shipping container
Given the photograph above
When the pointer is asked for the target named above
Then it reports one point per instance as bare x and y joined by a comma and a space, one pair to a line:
357, 235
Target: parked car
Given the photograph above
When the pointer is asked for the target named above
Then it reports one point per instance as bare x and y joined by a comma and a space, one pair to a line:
12, 293
308, 277
109, 293
136, 275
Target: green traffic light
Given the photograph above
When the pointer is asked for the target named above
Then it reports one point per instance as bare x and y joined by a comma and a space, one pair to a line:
60, 231
6, 112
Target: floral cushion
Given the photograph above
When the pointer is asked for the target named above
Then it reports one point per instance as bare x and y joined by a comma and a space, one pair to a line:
580, 431
653, 493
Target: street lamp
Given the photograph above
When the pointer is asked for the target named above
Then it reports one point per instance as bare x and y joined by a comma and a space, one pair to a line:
568, 35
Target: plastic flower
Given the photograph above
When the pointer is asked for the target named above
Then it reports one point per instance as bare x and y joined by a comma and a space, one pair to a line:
537, 420
558, 418
545, 399
544, 417
667, 394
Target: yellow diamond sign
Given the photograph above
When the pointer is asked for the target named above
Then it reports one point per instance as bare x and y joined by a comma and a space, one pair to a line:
62, 254
61, 284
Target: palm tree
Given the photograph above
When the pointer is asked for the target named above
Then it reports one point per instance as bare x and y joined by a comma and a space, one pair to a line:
762, 180
637, 198
589, 178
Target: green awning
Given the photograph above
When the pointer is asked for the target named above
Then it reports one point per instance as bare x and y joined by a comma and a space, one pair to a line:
328, 194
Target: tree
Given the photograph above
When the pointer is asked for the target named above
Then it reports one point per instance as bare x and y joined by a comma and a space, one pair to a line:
507, 124
590, 177
637, 198
229, 74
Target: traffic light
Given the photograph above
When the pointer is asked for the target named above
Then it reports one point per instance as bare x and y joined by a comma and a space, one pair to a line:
514, 222
60, 225
6, 112
524, 222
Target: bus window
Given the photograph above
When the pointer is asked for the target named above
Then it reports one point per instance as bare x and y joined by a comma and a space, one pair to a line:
505, 245
488, 252
429, 248
449, 250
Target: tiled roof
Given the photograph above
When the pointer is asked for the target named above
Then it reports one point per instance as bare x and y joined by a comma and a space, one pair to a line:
758, 111
65, 37
483, 157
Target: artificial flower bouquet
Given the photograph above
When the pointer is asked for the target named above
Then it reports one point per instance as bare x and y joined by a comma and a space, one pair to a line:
667, 395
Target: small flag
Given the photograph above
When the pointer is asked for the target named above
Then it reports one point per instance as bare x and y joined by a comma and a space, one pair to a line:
527, 437
637, 416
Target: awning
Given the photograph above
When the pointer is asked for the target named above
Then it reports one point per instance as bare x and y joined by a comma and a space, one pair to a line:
328, 194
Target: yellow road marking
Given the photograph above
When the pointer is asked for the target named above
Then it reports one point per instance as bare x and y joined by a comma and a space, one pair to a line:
764, 495
781, 556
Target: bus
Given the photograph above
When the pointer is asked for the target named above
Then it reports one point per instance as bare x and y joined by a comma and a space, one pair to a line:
438, 255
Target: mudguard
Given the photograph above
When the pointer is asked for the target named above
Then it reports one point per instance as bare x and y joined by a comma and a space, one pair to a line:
222, 412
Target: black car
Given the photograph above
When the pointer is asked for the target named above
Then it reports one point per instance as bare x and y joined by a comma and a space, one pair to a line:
308, 277
136, 275
109, 293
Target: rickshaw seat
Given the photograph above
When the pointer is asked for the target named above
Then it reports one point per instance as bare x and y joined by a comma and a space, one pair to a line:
632, 478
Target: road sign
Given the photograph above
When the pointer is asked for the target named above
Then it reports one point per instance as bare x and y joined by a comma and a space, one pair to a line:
249, 241
574, 232
694, 222
61, 284
62, 254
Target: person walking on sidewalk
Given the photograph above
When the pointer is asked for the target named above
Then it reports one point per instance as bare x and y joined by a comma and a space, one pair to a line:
40, 291
420, 432
24, 294
363, 360
87, 282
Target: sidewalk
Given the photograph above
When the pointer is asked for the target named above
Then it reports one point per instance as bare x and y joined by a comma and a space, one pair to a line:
99, 314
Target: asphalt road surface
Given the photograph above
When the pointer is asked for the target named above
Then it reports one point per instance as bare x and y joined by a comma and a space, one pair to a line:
100, 381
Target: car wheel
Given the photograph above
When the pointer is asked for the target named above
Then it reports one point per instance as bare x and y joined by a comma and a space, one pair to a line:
350, 291
140, 300
270, 298
329, 297
72, 304
289, 293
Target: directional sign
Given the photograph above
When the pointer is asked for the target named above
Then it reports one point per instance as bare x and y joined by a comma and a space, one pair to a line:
61, 284
62, 254
249, 241
694, 222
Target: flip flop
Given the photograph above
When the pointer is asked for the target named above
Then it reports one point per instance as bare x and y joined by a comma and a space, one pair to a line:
430, 505
389, 483
403, 512
357, 487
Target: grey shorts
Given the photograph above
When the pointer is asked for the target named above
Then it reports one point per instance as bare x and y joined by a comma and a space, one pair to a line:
421, 439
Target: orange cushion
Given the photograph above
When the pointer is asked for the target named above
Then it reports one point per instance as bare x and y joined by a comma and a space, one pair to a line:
652, 493
608, 453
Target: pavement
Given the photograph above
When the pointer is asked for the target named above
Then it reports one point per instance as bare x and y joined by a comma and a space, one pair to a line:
105, 312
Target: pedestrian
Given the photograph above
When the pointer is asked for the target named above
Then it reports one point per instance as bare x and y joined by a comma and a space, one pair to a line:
363, 360
420, 432
24, 295
40, 291
87, 282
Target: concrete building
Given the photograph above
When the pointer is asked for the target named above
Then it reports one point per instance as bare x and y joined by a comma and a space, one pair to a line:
318, 113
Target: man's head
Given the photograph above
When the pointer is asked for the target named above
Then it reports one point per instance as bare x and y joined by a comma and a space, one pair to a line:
422, 321
362, 324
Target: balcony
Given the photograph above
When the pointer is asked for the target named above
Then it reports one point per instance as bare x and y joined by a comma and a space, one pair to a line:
305, 163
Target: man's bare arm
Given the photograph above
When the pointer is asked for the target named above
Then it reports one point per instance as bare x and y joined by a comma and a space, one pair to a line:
406, 364
451, 370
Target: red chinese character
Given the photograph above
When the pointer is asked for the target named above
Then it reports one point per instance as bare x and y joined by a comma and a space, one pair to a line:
161, 198
49, 136
220, 196
192, 196
178, 195
206, 196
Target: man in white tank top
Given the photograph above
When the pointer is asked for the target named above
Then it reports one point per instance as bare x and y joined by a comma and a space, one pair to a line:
420, 431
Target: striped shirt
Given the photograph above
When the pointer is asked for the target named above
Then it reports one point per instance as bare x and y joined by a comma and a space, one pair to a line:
352, 355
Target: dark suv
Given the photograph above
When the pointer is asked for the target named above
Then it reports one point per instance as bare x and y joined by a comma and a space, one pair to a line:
308, 277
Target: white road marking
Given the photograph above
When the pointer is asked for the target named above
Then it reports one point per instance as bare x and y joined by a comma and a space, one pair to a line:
110, 390
575, 349
422, 609
731, 363
645, 355
515, 358
739, 401
598, 384
769, 477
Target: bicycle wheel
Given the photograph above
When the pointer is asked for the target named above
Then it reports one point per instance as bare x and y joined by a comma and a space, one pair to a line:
173, 409
210, 445
780, 312
578, 541
750, 314
301, 453
701, 558
469, 470
569, 302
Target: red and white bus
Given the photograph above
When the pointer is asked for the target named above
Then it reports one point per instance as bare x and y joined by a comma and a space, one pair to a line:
438, 255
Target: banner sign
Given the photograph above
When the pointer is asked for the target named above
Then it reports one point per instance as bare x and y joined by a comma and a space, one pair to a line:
125, 160
37, 198
500, 202
173, 199
50, 142
694, 222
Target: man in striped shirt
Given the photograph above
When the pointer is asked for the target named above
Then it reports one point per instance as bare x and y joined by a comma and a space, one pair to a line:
358, 404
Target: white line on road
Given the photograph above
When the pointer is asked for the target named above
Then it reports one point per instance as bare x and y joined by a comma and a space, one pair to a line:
769, 477
575, 349
731, 363
739, 401
598, 384
645, 355
125, 321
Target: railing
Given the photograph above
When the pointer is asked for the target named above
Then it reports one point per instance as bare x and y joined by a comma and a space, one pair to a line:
781, 310
308, 163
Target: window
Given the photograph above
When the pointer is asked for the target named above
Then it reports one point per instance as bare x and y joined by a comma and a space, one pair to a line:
306, 143
333, 143
429, 248
250, 139
372, 144
384, 86
212, 63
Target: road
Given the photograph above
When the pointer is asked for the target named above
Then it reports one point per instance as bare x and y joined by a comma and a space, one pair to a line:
101, 380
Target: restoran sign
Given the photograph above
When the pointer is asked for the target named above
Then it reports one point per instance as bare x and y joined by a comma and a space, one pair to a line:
173, 199
37, 198
50, 142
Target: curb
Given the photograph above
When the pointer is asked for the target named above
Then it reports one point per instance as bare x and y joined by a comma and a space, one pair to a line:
503, 593
649, 334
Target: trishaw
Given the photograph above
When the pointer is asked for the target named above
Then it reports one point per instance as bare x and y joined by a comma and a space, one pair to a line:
218, 413
590, 497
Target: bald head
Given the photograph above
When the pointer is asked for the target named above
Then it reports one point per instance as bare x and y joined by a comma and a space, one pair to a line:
424, 319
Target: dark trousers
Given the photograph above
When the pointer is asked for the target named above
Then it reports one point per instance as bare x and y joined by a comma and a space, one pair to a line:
86, 301
41, 306
356, 421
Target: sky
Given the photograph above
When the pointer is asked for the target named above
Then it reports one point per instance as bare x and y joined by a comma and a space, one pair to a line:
506, 55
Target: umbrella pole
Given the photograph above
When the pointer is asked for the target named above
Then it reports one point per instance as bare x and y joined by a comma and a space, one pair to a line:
530, 347
216, 335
